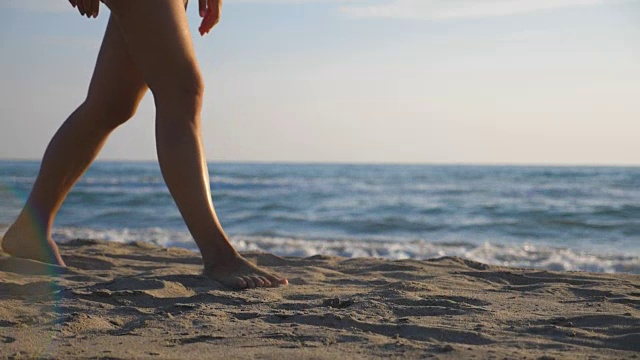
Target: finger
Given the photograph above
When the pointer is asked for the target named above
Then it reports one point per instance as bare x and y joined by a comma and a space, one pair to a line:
212, 16
213, 20
202, 6
86, 7
95, 8
89, 8
202, 28
80, 6
92, 8
210, 20
217, 12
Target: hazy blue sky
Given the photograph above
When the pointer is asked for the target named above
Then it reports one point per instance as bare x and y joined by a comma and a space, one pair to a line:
456, 81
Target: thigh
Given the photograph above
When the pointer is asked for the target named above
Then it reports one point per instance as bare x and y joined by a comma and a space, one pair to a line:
116, 85
159, 41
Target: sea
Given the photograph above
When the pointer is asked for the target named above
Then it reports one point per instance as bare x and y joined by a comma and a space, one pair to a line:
548, 217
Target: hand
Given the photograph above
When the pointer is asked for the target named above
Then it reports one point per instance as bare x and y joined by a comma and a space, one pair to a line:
88, 8
210, 11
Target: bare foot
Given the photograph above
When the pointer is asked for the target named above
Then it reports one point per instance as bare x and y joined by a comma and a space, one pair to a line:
239, 273
23, 240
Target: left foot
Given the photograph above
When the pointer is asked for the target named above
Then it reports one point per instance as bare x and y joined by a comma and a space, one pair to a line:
24, 240
239, 273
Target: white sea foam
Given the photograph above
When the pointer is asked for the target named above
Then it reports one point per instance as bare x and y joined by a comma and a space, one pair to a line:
517, 255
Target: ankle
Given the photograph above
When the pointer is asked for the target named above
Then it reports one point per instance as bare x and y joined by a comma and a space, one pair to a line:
24, 227
220, 259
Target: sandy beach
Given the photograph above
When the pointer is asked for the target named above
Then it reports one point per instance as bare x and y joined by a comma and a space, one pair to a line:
122, 301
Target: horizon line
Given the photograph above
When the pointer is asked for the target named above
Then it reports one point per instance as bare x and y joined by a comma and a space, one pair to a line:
364, 163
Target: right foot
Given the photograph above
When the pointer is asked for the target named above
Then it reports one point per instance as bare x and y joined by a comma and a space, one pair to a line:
239, 273
25, 241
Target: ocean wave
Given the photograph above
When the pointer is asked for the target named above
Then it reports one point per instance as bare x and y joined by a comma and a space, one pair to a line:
517, 255
22, 180
122, 180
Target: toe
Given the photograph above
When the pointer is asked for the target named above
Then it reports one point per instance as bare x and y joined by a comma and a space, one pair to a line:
265, 281
249, 281
258, 281
241, 283
277, 281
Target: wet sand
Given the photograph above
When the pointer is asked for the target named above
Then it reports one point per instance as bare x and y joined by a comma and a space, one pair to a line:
143, 301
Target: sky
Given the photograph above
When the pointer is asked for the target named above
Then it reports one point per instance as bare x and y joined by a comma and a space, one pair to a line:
376, 81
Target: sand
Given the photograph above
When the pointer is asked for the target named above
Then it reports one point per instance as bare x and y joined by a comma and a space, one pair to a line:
144, 301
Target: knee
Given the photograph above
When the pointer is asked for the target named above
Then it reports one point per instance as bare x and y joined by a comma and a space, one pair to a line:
110, 113
182, 91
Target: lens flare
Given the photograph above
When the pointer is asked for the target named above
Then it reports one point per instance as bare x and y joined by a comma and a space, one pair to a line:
36, 282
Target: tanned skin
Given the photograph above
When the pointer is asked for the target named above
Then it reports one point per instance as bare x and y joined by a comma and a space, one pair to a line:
147, 45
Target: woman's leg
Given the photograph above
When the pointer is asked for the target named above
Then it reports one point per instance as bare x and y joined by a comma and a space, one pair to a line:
159, 41
114, 94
